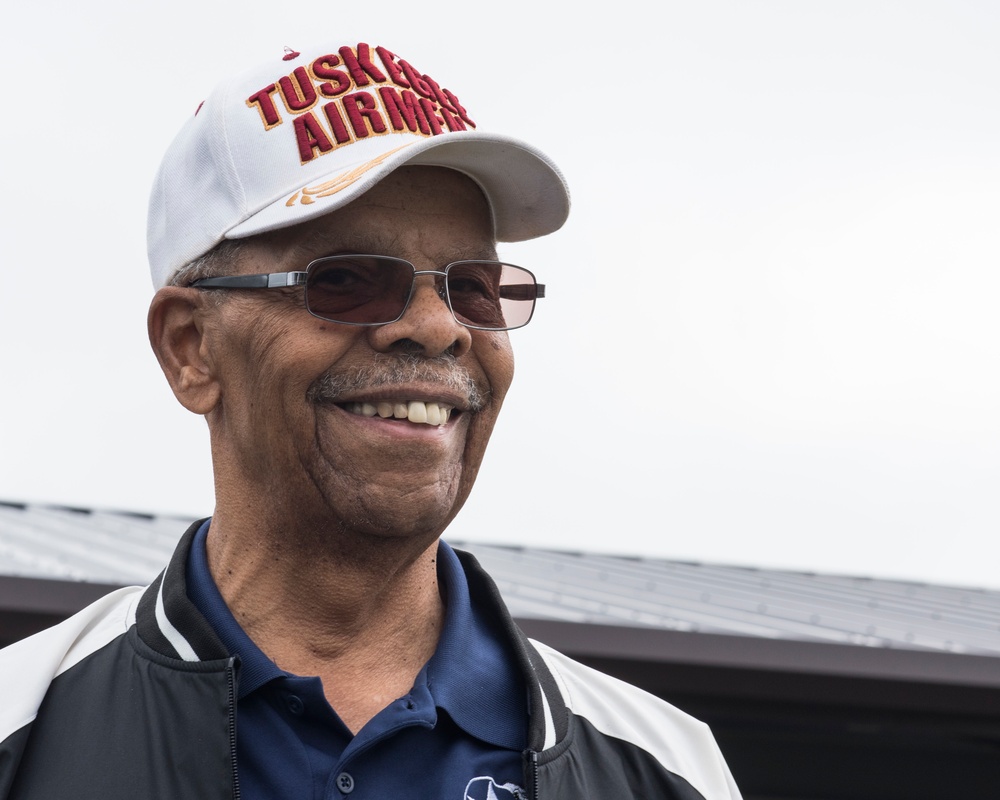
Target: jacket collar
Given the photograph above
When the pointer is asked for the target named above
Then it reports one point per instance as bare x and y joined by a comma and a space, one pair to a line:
548, 715
168, 622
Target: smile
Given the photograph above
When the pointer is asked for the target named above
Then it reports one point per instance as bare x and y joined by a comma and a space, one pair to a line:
418, 411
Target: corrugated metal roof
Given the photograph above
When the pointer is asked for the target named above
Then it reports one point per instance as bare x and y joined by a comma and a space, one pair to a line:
584, 587
122, 548
80, 544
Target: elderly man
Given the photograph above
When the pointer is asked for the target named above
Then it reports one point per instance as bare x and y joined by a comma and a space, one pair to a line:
322, 235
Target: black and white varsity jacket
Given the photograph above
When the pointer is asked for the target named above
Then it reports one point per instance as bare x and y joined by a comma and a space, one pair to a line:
135, 697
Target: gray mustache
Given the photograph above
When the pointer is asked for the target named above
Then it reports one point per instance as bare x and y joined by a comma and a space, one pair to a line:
401, 370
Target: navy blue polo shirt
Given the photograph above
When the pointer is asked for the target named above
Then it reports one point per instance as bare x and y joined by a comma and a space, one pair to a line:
459, 733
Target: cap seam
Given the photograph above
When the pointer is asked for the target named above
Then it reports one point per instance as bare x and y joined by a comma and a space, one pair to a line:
233, 171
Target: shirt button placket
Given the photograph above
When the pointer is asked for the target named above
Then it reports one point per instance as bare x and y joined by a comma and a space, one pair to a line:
295, 705
345, 782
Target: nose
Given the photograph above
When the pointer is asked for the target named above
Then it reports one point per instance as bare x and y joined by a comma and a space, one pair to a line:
427, 322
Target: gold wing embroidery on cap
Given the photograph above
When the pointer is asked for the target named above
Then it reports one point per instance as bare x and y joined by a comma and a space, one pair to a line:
308, 194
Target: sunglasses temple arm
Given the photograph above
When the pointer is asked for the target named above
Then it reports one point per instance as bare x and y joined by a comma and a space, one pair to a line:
522, 291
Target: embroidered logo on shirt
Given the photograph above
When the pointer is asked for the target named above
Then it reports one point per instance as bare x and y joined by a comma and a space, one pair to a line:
489, 789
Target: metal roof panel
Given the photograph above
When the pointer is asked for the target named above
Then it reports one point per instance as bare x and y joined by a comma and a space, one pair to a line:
122, 548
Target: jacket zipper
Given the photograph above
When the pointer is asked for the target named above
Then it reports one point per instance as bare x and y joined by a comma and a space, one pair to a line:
231, 682
534, 774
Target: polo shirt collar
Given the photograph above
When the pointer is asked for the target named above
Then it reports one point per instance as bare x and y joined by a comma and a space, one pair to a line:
472, 676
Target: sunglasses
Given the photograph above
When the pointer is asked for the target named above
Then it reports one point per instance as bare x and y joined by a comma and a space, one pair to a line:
375, 290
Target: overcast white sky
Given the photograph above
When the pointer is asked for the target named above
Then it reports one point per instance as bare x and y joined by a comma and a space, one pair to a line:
772, 334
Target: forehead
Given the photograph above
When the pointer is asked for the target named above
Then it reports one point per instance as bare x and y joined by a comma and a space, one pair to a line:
415, 212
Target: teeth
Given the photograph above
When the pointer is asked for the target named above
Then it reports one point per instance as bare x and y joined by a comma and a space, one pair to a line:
415, 411
418, 411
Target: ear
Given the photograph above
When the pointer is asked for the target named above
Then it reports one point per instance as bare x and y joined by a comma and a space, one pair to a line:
176, 324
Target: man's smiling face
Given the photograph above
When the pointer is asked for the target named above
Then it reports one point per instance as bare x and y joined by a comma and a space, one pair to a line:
379, 430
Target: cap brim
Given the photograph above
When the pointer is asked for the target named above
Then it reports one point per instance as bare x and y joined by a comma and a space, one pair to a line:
526, 192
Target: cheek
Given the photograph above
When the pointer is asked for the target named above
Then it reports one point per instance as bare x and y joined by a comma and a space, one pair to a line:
497, 361
272, 355
285, 345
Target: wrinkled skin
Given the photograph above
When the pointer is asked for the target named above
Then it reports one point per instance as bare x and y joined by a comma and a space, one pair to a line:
281, 453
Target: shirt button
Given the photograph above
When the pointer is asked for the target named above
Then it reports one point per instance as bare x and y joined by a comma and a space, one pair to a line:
345, 782
295, 705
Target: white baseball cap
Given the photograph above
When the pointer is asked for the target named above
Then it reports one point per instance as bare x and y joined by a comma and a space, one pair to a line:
307, 133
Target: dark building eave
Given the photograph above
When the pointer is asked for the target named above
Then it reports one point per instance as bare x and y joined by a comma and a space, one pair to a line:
28, 605
723, 651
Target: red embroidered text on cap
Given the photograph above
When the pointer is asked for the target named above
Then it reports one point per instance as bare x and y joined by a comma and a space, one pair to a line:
331, 103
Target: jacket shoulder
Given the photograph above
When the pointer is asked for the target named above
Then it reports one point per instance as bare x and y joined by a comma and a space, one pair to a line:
33, 663
609, 712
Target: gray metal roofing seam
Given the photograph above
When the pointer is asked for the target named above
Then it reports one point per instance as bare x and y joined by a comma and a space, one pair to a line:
56, 542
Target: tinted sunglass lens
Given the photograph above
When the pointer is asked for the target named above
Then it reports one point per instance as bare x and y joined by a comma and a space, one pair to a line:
490, 295
362, 290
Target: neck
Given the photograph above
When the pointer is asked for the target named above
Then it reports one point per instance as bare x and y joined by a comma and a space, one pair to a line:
364, 618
